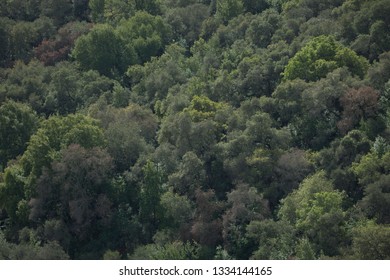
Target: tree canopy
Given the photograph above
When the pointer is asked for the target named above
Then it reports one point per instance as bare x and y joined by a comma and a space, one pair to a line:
194, 129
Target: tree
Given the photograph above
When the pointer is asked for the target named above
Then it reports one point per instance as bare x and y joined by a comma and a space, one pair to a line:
131, 131
27, 84
44, 147
186, 22
45, 251
55, 134
271, 240
323, 222
21, 10
117, 10
97, 9
371, 241
190, 174
4, 41
146, 34
317, 6
228, 9
245, 205
150, 84
376, 200
379, 72
337, 159
59, 10
291, 168
12, 193
315, 210
51, 51
22, 38
71, 89
255, 6
358, 104
321, 56
153, 7
18, 122
262, 28
202, 108
126, 144
371, 167
178, 212
176, 250
75, 191
103, 50
207, 226
151, 211
252, 147
51, 251
316, 125
367, 21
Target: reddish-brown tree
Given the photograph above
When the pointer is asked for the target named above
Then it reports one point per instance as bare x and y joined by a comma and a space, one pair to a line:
358, 104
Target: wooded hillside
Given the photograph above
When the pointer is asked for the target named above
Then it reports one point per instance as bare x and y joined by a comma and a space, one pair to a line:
195, 129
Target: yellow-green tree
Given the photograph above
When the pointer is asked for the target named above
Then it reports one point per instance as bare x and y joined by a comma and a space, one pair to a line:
321, 56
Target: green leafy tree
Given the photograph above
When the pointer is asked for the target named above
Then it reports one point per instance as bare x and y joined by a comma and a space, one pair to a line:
153, 7
57, 133
178, 211
21, 10
255, 6
373, 174
4, 41
176, 250
376, 200
304, 250
370, 167
59, 10
75, 191
371, 241
190, 174
103, 50
117, 10
262, 28
315, 210
337, 159
97, 10
27, 84
131, 131
11, 193
26, 251
71, 89
44, 147
18, 122
271, 240
252, 147
379, 72
316, 125
187, 21
228, 9
321, 56
202, 108
126, 144
291, 168
150, 84
151, 211
22, 38
367, 24
146, 34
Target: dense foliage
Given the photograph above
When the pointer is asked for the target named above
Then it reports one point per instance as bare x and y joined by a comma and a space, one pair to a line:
195, 129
